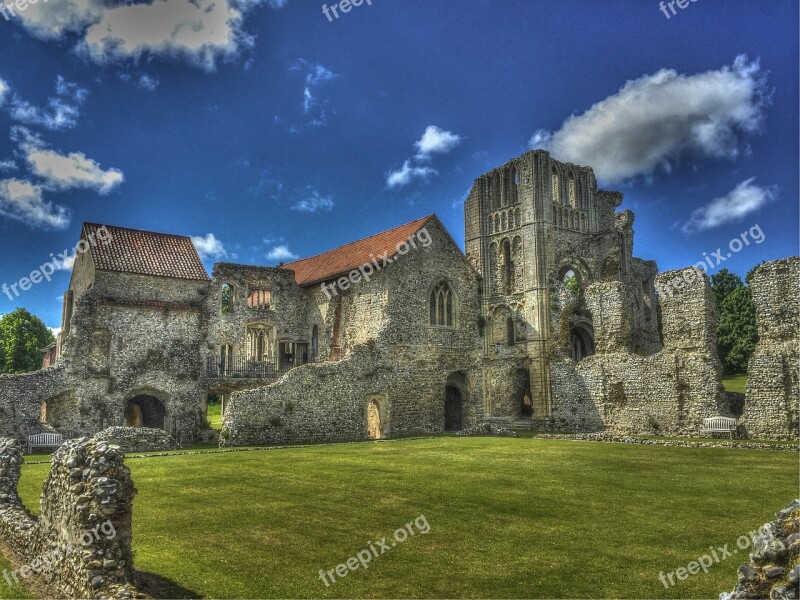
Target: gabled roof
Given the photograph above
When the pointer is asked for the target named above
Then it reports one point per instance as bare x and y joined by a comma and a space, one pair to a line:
345, 258
143, 252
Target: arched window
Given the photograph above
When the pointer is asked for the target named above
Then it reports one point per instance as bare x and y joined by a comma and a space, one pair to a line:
516, 177
314, 343
510, 331
573, 202
226, 298
508, 268
556, 187
442, 306
260, 343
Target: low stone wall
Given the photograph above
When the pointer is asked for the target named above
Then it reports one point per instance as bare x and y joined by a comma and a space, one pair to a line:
80, 545
774, 567
138, 439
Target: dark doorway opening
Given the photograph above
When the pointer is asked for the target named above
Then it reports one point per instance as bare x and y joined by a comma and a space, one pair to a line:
453, 409
145, 411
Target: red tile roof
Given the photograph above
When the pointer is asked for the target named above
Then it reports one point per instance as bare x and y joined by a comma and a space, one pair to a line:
144, 252
344, 259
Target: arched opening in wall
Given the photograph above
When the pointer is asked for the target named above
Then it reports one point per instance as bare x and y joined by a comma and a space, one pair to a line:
555, 186
571, 283
314, 343
522, 389
516, 177
510, 337
442, 306
226, 298
145, 411
508, 267
573, 195
453, 409
581, 342
260, 343
374, 424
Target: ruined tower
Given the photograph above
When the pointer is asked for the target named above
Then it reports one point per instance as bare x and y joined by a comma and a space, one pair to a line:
540, 232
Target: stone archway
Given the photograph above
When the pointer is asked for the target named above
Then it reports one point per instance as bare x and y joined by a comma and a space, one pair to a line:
374, 425
581, 342
453, 409
145, 411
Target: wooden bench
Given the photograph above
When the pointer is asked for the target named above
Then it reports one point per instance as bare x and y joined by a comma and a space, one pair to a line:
719, 425
44, 440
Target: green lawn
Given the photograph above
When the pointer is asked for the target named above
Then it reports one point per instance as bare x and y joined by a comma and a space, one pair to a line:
215, 416
735, 383
509, 518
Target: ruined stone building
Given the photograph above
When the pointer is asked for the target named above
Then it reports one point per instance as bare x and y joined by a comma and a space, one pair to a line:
548, 321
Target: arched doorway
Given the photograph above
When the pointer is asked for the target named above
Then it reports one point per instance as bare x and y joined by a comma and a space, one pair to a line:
581, 342
145, 411
522, 389
453, 409
374, 425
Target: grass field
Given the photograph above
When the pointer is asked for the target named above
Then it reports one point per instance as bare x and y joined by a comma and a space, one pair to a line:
215, 416
735, 383
508, 517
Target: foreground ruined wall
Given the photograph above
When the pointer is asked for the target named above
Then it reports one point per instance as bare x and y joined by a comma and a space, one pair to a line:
668, 392
80, 545
771, 401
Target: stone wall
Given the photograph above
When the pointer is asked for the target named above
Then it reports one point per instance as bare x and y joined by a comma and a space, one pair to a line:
772, 394
392, 357
21, 398
668, 392
80, 545
137, 439
774, 567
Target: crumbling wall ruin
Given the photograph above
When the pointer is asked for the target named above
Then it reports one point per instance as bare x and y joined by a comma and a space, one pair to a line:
773, 394
21, 398
80, 545
668, 392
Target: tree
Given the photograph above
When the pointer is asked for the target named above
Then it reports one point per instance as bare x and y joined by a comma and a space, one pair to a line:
722, 284
23, 336
736, 330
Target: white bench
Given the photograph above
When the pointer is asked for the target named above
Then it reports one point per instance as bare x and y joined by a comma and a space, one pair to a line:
719, 425
44, 440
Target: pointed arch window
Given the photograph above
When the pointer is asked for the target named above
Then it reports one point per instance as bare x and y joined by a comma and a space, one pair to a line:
556, 187
442, 306
573, 202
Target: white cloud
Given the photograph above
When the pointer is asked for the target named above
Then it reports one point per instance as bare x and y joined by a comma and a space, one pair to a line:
200, 31
655, 120
315, 76
55, 330
746, 198
313, 201
4, 89
8, 164
22, 201
209, 246
67, 263
281, 254
74, 170
146, 82
62, 110
408, 174
436, 141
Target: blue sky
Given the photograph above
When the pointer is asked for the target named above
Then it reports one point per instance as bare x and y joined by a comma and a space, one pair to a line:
266, 131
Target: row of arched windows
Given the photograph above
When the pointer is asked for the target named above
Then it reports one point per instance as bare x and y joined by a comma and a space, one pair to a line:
571, 196
569, 218
503, 188
504, 220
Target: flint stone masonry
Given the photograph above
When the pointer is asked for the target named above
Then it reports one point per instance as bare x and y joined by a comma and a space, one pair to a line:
669, 392
553, 325
138, 439
774, 567
84, 525
772, 394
